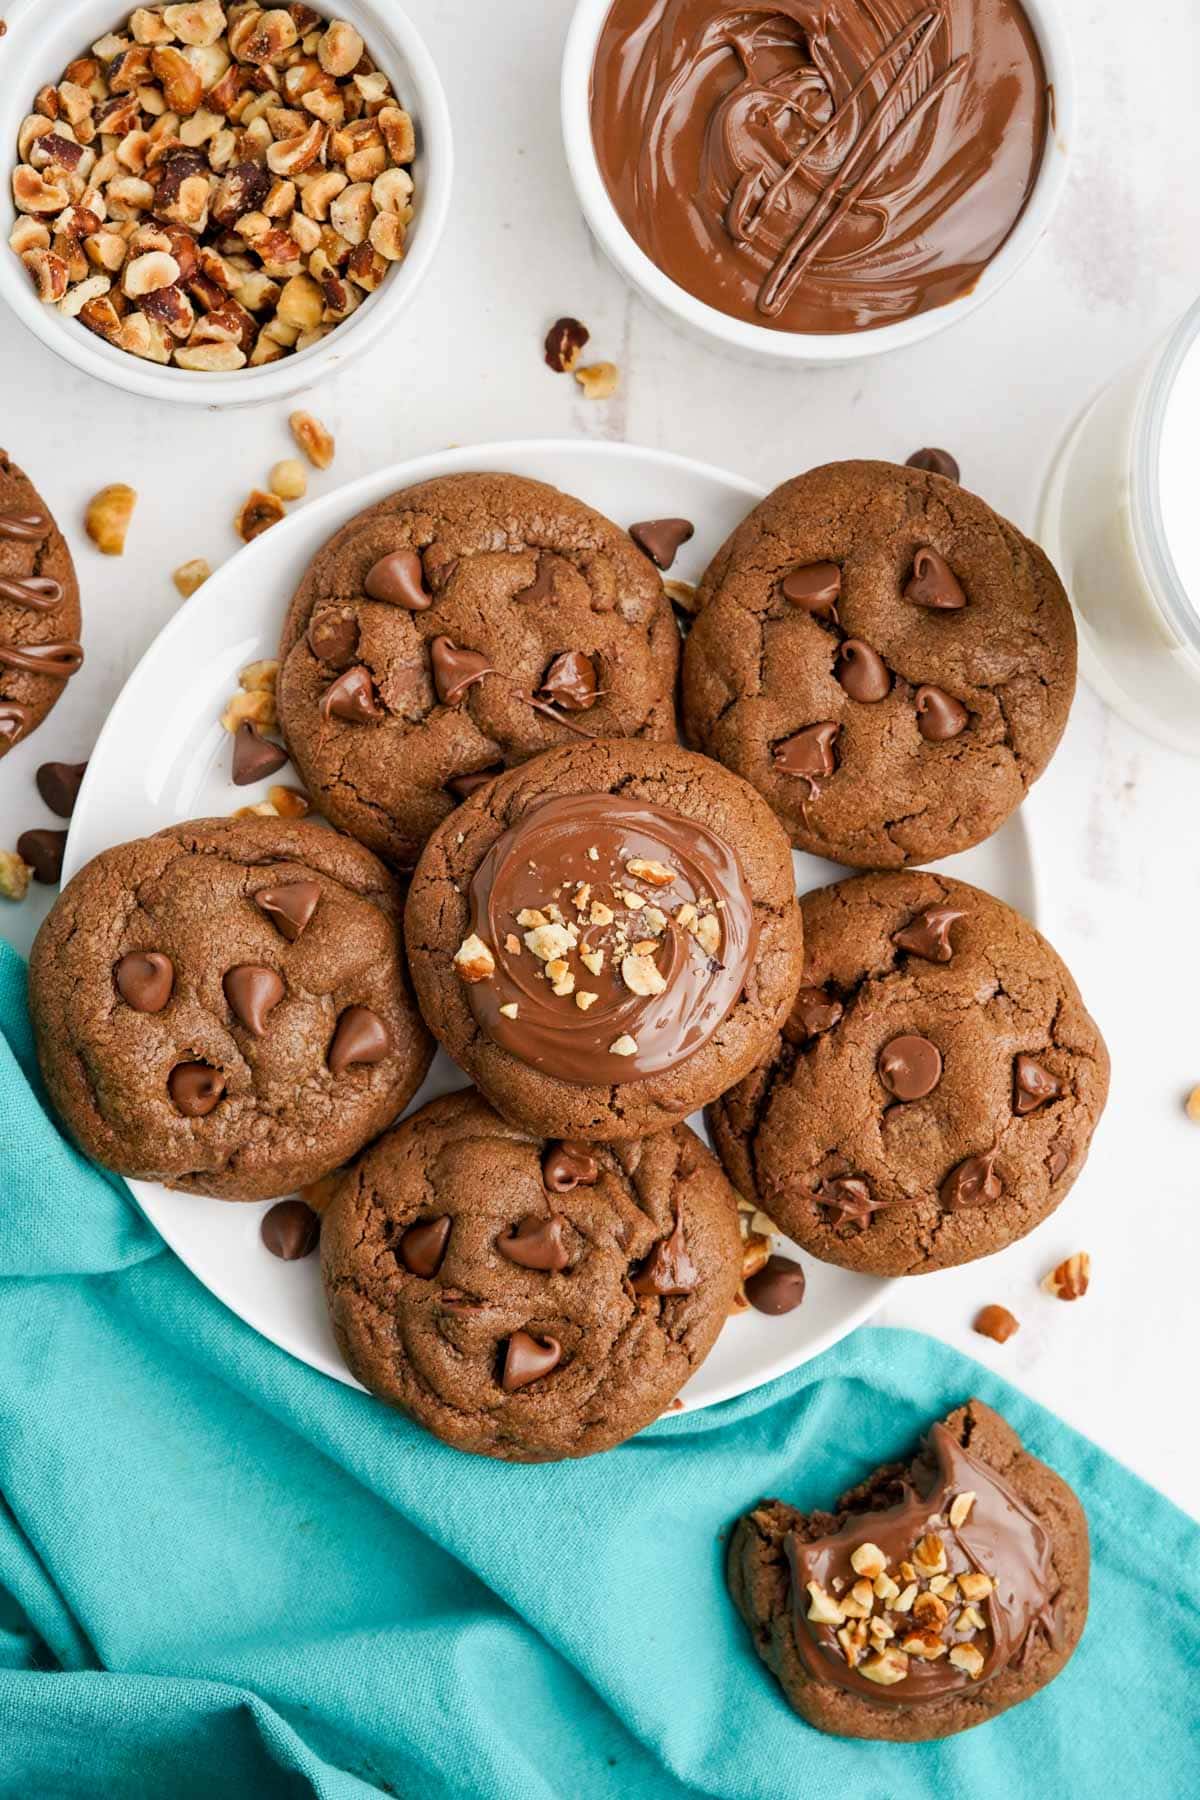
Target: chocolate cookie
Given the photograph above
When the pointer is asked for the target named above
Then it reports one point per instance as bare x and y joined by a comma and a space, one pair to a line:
887, 661
934, 1093
606, 938
457, 629
523, 1299
934, 1596
224, 1007
39, 608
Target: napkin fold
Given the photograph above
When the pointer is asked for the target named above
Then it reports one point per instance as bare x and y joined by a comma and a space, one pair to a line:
222, 1573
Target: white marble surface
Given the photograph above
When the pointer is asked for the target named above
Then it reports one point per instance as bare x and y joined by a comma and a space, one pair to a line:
1115, 818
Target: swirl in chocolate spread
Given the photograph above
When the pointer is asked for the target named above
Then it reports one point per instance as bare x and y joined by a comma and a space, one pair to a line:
968, 1576
819, 165
622, 935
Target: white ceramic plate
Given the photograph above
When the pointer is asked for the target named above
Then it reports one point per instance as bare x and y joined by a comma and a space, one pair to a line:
163, 757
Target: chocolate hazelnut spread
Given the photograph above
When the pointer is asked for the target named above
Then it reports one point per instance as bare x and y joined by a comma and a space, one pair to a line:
820, 165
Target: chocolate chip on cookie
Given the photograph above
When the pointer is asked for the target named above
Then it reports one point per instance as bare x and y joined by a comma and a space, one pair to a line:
934, 1092
39, 609
494, 1285
224, 1007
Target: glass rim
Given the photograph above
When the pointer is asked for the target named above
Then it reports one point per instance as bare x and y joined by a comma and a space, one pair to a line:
1183, 612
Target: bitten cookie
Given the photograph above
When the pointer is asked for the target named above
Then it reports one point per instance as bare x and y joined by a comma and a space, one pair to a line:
934, 1092
224, 1007
887, 661
39, 608
936, 1594
458, 629
524, 1299
606, 938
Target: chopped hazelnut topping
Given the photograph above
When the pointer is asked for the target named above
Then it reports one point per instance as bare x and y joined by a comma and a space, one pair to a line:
512, 944
925, 1644
823, 1608
624, 1046
929, 1610
974, 1586
885, 1587
887, 1668
868, 1560
548, 942
592, 960
473, 960
601, 914
904, 1602
969, 1659
641, 975
585, 1000
528, 918
510, 1010
930, 1555
960, 1510
15, 875
656, 874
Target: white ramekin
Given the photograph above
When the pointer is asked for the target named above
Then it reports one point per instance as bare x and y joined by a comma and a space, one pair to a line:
42, 39
793, 347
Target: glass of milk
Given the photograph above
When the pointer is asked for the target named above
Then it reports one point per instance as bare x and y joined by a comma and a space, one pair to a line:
1121, 521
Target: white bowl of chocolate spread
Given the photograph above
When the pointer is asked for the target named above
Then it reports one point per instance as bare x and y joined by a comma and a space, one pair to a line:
817, 180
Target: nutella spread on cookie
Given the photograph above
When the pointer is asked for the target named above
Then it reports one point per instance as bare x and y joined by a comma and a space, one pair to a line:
609, 939
931, 1595
820, 165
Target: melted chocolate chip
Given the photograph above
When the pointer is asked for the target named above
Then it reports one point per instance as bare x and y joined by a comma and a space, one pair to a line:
399, 580
422, 1248
910, 1067
849, 1197
928, 935
462, 786
668, 1270
145, 980
333, 639
16, 721
352, 698
196, 1089
940, 716
777, 1288
570, 682
662, 539
527, 1359
862, 672
935, 462
291, 1230
1058, 1159
813, 1012
254, 756
253, 994
1033, 1086
455, 671
816, 588
289, 908
59, 783
537, 1243
568, 1166
972, 1183
361, 1037
43, 851
933, 584
810, 754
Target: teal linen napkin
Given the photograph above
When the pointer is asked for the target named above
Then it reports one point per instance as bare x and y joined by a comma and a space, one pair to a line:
222, 1574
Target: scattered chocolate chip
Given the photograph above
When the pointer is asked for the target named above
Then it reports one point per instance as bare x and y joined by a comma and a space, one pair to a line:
668, 1270
972, 1183
997, 1323
59, 784
455, 670
776, 1288
570, 682
527, 1359
910, 1067
253, 994
568, 1166
565, 340
940, 716
289, 908
144, 980
662, 539
195, 1089
399, 580
928, 935
43, 851
815, 589
537, 1243
813, 1012
352, 698
933, 584
361, 1037
1059, 1158
422, 1248
1033, 1086
291, 1230
458, 1304
333, 639
254, 756
862, 672
935, 462
850, 1198
810, 754
463, 786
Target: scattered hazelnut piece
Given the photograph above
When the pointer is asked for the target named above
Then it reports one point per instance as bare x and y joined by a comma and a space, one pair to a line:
256, 708
1192, 1106
564, 342
288, 480
289, 802
997, 1323
15, 875
1070, 1280
592, 960
108, 518
755, 1251
599, 381
969, 1659
655, 874
886, 1668
707, 933
258, 513
510, 1010
973, 1586
641, 975
191, 575
315, 441
260, 677
548, 942
584, 1000
624, 1046
824, 1609
473, 960
684, 596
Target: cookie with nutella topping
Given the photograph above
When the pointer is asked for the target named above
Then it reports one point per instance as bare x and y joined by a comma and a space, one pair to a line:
906, 715
934, 1596
606, 938
225, 1007
39, 608
466, 624
933, 1095
523, 1298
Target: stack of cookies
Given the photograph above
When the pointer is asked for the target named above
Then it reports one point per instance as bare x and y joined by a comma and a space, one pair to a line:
478, 683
